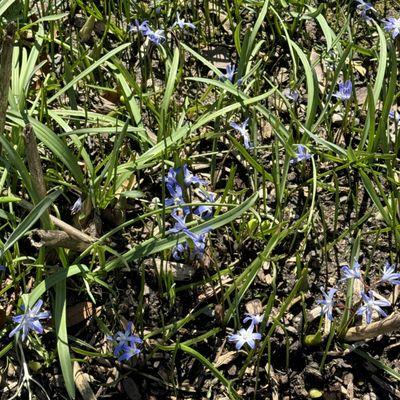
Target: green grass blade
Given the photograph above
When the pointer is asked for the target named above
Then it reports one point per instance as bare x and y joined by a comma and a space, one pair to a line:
53, 280
88, 71
30, 219
59, 148
155, 245
4, 5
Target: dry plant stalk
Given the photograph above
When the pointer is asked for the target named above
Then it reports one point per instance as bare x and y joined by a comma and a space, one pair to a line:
34, 163
5, 72
370, 331
53, 239
72, 231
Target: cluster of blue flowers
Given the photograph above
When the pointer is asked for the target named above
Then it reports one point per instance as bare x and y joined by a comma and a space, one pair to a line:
126, 344
178, 181
247, 336
370, 304
391, 24
158, 36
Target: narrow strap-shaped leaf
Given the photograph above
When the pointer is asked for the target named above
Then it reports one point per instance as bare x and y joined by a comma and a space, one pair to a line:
155, 245
53, 279
30, 219
59, 148
88, 71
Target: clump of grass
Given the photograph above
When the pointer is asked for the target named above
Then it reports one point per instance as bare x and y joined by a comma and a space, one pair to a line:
203, 157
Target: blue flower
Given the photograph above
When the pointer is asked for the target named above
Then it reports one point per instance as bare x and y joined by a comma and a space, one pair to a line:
242, 129
389, 275
123, 339
176, 197
301, 154
181, 23
230, 72
199, 245
156, 37
2, 268
180, 224
327, 303
394, 115
370, 305
29, 320
292, 94
364, 7
255, 319
179, 251
203, 211
245, 336
77, 206
143, 28
188, 177
392, 25
206, 211
127, 352
198, 240
344, 92
125, 343
350, 273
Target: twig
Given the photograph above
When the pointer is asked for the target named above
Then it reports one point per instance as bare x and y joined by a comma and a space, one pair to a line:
5, 72
76, 233
369, 331
47, 238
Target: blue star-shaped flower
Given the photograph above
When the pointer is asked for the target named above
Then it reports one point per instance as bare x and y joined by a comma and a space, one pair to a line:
181, 23
230, 73
370, 305
349, 273
392, 25
389, 275
301, 154
29, 320
327, 303
345, 89
255, 319
242, 129
245, 336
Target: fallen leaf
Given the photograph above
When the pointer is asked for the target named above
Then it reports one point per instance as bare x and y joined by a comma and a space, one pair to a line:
81, 312
225, 358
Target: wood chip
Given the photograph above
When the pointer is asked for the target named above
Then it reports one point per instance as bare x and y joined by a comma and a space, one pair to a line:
82, 383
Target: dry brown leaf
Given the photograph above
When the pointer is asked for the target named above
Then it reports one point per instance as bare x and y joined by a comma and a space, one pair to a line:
225, 358
210, 290
81, 312
82, 383
180, 272
370, 331
254, 307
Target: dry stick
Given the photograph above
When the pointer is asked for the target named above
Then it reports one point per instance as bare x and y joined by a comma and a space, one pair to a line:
35, 168
5, 72
370, 331
75, 233
53, 239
